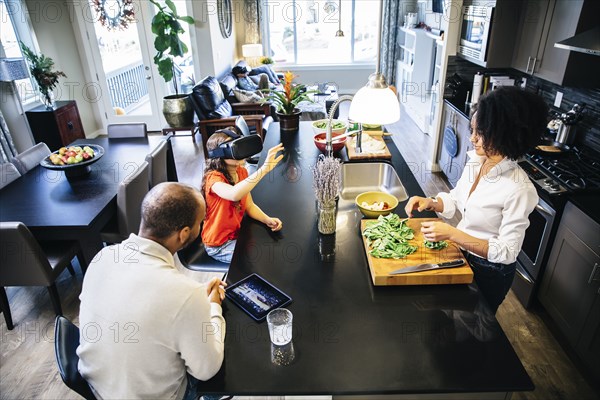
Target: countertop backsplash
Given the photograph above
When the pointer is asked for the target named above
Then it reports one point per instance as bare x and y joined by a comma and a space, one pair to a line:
588, 129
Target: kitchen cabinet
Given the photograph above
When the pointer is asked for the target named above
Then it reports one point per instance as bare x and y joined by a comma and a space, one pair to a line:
545, 22
57, 127
415, 74
455, 143
570, 290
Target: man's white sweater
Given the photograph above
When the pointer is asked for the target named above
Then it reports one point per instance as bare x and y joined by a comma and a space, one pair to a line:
144, 324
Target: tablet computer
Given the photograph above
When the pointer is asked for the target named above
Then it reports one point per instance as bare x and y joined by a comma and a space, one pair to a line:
256, 296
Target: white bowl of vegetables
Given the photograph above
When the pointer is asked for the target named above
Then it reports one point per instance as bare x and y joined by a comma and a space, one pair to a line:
338, 126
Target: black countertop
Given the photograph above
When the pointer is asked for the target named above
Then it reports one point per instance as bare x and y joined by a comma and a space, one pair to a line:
349, 336
588, 203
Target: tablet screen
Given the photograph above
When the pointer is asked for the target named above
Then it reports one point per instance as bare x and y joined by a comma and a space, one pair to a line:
256, 296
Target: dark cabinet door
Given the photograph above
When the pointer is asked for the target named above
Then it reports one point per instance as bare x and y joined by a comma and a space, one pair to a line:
570, 290
57, 127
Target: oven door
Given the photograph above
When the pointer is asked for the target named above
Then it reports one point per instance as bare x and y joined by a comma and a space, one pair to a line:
537, 237
535, 247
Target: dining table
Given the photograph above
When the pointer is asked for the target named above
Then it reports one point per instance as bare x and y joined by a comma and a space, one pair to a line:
349, 337
56, 207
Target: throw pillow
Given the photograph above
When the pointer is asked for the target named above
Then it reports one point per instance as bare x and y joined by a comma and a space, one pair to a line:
245, 96
264, 69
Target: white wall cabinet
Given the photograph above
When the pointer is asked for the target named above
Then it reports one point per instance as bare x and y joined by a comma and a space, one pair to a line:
415, 74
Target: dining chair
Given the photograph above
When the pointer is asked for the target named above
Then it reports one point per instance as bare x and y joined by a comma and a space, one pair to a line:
129, 130
31, 157
157, 162
26, 262
195, 258
8, 174
129, 206
66, 341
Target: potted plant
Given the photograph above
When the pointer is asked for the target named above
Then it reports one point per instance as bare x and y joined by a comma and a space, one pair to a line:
177, 108
267, 61
41, 70
286, 100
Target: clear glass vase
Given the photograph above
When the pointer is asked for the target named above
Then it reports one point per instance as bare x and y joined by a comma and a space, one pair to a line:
327, 215
48, 100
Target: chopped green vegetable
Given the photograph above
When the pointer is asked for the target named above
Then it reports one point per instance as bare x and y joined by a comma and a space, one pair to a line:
335, 125
389, 236
442, 244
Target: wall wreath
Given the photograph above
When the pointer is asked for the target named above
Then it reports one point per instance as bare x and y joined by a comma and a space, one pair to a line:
225, 20
115, 14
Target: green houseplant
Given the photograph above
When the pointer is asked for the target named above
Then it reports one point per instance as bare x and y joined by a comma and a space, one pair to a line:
41, 67
286, 100
166, 27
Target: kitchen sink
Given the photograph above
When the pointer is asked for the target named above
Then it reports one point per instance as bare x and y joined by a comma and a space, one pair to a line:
371, 176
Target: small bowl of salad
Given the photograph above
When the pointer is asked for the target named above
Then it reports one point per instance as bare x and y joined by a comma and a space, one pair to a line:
373, 204
338, 126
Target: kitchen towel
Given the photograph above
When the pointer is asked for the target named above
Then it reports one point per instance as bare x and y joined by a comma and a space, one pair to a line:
477, 85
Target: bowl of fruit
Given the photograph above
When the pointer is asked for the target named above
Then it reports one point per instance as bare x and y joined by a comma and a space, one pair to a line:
373, 204
74, 160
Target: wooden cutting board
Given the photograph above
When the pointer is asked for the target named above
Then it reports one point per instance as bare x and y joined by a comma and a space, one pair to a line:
352, 155
380, 267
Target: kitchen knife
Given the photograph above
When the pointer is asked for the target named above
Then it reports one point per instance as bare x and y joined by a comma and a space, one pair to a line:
427, 267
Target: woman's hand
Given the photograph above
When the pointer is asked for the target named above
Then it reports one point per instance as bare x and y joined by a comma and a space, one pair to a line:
434, 231
274, 223
272, 158
418, 203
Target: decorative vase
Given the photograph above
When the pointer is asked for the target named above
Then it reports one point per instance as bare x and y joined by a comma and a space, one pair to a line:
326, 219
178, 111
48, 99
289, 122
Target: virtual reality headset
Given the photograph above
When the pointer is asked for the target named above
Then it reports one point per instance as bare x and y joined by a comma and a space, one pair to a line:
240, 148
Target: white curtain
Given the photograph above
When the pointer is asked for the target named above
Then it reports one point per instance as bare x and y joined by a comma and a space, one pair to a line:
7, 147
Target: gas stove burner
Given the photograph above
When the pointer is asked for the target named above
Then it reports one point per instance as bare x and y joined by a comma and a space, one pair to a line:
578, 170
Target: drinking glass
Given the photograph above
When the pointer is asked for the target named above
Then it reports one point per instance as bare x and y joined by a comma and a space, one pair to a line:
280, 326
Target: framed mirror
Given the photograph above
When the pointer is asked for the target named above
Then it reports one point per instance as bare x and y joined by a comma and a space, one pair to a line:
225, 20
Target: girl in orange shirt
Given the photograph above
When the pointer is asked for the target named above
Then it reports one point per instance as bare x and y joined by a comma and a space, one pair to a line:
226, 187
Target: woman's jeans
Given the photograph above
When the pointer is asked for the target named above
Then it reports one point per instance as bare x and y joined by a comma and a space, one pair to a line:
493, 279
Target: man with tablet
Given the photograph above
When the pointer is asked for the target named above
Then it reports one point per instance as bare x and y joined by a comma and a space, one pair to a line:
147, 330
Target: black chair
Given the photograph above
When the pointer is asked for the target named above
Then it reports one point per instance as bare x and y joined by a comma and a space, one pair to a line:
194, 258
27, 262
66, 340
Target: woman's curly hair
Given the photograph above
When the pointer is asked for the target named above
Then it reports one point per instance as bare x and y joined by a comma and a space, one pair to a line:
510, 121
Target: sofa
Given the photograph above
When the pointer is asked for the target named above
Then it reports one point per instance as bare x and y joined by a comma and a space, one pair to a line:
229, 80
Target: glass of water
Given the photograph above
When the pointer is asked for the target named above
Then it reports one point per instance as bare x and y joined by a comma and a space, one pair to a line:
280, 326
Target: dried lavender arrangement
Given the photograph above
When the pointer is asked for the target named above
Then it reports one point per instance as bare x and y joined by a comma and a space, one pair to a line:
326, 183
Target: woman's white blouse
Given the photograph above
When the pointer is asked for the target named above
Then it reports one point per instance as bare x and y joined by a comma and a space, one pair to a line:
497, 210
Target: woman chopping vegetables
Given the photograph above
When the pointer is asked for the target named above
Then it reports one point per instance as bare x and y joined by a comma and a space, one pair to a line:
494, 195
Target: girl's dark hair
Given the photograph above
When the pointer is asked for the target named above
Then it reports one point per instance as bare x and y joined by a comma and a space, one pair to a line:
511, 121
216, 164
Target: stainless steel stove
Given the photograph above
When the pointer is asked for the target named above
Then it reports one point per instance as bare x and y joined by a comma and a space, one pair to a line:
575, 171
555, 177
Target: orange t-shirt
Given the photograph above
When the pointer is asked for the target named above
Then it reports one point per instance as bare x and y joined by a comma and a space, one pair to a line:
223, 217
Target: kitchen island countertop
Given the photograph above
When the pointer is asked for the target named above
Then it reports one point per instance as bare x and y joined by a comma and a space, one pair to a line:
351, 338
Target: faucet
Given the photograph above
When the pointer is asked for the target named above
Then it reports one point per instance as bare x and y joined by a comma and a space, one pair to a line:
328, 137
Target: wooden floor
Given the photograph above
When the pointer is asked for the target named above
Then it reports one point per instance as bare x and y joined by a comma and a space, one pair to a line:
28, 369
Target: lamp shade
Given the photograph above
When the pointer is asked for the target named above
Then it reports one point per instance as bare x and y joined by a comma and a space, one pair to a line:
13, 69
376, 106
252, 50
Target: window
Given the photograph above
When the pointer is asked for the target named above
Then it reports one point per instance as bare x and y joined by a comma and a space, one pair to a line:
14, 27
302, 32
